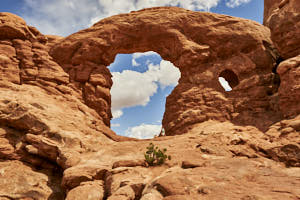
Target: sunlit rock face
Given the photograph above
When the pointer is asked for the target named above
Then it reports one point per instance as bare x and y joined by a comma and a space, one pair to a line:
44, 121
204, 46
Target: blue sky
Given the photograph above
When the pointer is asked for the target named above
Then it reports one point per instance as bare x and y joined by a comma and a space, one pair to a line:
141, 81
146, 80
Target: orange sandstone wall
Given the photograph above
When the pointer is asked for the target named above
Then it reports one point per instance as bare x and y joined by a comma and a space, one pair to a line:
283, 19
202, 45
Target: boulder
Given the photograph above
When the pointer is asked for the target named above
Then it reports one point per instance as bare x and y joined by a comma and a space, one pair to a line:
283, 18
91, 190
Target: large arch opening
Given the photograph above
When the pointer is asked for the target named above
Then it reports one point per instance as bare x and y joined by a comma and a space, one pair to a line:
141, 83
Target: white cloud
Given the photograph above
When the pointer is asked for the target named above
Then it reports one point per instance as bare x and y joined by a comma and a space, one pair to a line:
135, 63
63, 17
117, 114
143, 131
94, 20
225, 84
148, 62
60, 17
133, 88
148, 53
139, 55
236, 3
168, 74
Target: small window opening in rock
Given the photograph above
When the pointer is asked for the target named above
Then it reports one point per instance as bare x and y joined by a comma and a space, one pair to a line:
228, 79
141, 83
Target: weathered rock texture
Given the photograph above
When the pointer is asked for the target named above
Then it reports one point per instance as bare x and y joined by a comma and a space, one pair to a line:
55, 140
44, 120
283, 18
203, 46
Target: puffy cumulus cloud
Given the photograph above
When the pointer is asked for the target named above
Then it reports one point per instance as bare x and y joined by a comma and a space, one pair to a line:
63, 17
143, 131
167, 74
133, 88
60, 17
236, 3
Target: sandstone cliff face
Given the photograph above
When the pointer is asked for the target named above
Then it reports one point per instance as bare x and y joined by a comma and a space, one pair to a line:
283, 18
55, 141
43, 119
202, 45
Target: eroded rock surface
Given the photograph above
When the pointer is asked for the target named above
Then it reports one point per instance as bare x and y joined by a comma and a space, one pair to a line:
87, 190
19, 181
55, 140
221, 157
202, 45
44, 120
283, 19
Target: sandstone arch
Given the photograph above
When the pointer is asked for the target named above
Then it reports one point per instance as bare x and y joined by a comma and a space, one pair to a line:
45, 123
200, 44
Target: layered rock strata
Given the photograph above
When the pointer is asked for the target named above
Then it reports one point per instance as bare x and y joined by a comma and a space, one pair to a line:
203, 46
55, 140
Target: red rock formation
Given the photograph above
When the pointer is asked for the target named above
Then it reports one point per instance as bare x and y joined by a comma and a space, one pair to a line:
55, 141
201, 45
269, 7
282, 17
289, 91
43, 119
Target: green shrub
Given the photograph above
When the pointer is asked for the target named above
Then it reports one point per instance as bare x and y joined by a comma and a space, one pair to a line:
155, 156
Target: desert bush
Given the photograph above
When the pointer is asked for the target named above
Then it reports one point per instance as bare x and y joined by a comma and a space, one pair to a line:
155, 156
